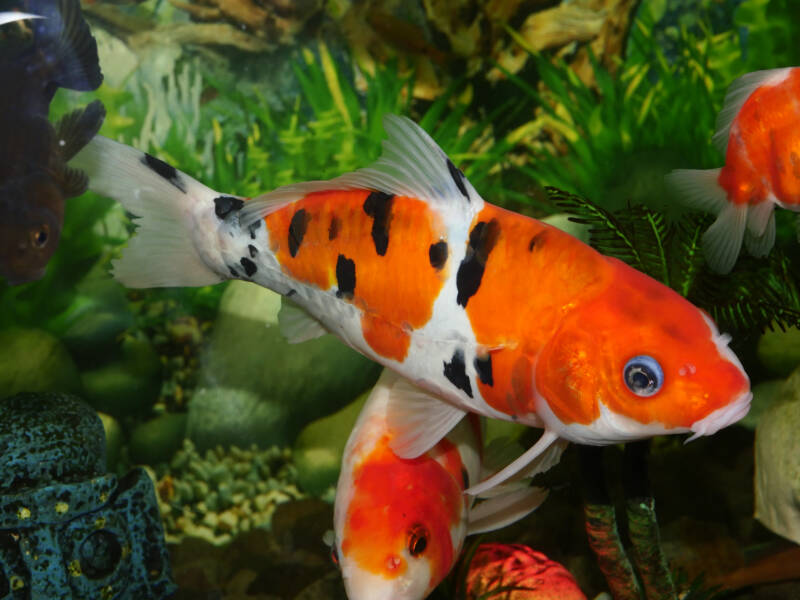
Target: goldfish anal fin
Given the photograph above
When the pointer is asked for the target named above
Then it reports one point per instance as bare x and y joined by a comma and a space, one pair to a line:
534, 458
417, 420
412, 164
74, 182
297, 325
737, 94
75, 129
723, 240
505, 509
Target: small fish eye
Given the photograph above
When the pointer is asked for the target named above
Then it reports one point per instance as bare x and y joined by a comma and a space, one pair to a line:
417, 540
643, 375
40, 236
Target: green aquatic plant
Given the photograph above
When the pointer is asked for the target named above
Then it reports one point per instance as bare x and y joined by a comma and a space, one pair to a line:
757, 294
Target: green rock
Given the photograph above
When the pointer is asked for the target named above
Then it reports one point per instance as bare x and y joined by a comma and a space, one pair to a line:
225, 417
113, 439
319, 448
157, 440
32, 360
777, 453
247, 351
128, 386
96, 333
779, 351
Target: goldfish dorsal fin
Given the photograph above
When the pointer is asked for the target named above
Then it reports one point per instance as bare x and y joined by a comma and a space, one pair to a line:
737, 94
296, 324
411, 164
505, 509
417, 419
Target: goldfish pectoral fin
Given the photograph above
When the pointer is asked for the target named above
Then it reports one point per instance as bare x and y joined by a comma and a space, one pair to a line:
698, 189
73, 182
163, 252
759, 237
13, 16
722, 242
411, 164
533, 458
737, 95
417, 420
296, 325
503, 510
64, 27
74, 130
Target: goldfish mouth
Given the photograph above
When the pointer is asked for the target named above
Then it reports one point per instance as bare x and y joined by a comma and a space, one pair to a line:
722, 417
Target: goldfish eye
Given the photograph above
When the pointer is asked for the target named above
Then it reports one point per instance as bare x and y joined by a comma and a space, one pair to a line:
40, 236
643, 375
417, 540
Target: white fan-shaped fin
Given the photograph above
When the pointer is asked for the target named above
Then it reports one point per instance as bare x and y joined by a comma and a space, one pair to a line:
698, 189
503, 510
723, 240
526, 458
759, 238
13, 16
737, 94
417, 420
411, 164
296, 325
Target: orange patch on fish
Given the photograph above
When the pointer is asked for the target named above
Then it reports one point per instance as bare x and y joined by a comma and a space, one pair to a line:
395, 495
375, 248
528, 281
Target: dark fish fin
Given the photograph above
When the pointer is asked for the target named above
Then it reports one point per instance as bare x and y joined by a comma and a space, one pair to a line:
77, 128
74, 183
67, 41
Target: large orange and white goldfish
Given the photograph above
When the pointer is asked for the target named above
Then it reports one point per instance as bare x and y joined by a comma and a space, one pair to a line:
483, 309
400, 523
758, 129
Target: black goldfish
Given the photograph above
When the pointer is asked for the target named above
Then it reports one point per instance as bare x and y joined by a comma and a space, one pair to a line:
37, 56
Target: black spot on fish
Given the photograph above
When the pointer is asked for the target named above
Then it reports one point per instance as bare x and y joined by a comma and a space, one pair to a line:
458, 178
378, 205
465, 477
249, 266
164, 170
297, 229
437, 254
482, 239
291, 293
225, 205
536, 241
483, 366
456, 373
253, 250
333, 228
233, 271
253, 228
345, 277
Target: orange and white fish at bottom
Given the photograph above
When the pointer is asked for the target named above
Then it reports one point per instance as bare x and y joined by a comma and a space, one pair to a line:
486, 311
400, 523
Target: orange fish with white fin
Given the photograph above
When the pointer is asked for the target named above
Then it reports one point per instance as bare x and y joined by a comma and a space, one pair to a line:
483, 309
758, 129
400, 523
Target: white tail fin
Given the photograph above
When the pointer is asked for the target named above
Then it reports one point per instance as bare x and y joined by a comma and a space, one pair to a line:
760, 235
162, 253
723, 240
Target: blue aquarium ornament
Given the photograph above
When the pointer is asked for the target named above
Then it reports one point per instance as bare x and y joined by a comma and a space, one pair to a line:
68, 529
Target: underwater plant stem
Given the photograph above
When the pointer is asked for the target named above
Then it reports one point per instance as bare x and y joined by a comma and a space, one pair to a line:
601, 528
643, 525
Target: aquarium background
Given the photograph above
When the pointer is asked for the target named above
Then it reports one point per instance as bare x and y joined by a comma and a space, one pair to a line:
241, 432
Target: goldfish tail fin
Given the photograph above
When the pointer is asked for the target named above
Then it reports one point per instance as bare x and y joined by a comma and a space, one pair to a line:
723, 240
64, 34
737, 94
760, 233
162, 252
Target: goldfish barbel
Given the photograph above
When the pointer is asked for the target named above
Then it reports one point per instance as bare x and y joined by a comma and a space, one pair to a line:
400, 523
483, 309
758, 130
